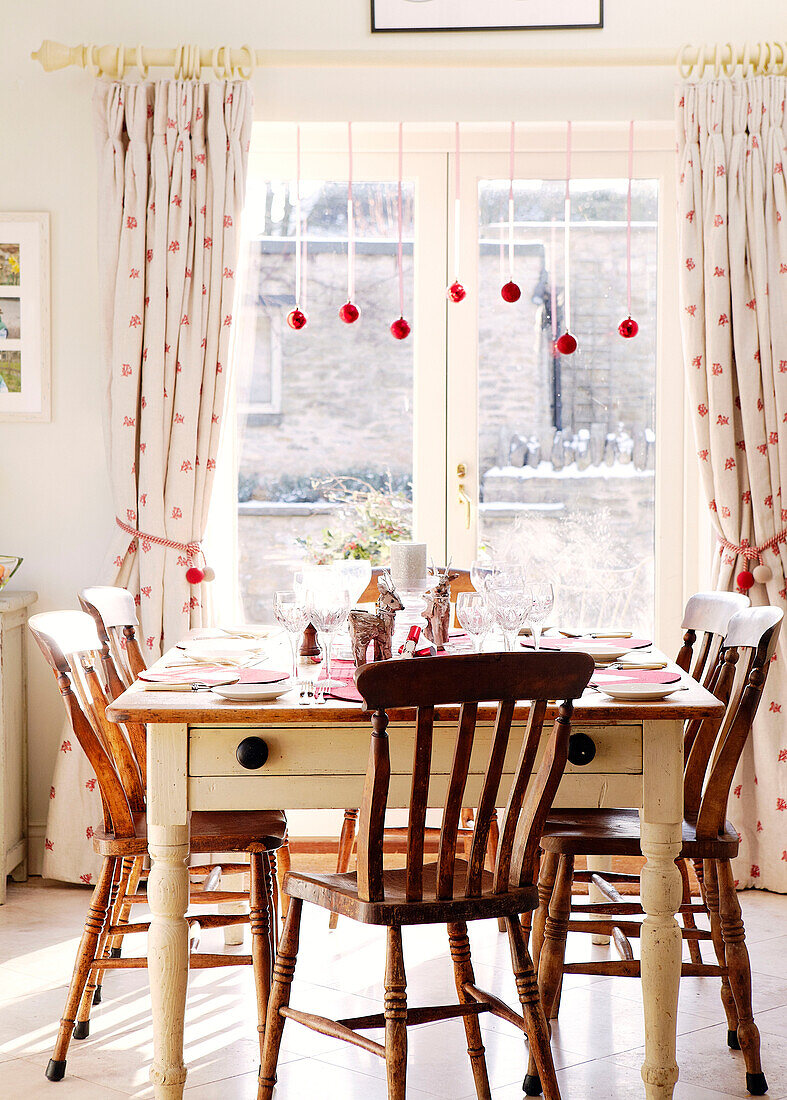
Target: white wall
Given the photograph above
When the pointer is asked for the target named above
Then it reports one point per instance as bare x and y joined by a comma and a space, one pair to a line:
55, 506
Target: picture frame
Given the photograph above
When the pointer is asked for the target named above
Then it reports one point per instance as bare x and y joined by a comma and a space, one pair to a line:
25, 327
408, 16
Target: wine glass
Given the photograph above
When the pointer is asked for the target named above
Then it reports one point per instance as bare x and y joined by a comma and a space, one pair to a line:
474, 615
510, 606
329, 606
480, 570
542, 600
290, 611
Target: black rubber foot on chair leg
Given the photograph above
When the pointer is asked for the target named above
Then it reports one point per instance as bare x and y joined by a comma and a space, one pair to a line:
756, 1084
114, 952
732, 1039
97, 995
532, 1084
81, 1029
56, 1071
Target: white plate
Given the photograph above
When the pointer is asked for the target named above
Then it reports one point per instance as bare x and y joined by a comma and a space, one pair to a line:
599, 651
635, 693
254, 693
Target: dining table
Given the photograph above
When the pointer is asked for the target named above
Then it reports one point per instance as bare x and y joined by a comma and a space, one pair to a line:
205, 752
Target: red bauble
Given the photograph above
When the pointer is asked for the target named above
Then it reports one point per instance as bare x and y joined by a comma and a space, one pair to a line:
744, 580
297, 319
566, 344
456, 292
510, 292
349, 313
400, 329
194, 575
628, 328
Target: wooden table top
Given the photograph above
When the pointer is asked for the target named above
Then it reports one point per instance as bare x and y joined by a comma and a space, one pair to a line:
204, 708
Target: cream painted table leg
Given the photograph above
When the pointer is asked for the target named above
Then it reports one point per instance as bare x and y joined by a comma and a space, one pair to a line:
661, 889
168, 897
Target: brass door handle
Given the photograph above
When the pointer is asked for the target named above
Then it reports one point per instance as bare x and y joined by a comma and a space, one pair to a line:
464, 498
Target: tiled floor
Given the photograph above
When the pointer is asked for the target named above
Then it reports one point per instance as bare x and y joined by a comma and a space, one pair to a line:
597, 1043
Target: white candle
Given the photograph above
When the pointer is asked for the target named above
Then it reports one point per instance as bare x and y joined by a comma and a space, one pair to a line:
408, 565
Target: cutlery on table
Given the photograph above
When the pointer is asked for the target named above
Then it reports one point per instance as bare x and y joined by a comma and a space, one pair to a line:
598, 634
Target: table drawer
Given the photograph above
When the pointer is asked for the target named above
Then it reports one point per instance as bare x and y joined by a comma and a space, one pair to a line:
322, 751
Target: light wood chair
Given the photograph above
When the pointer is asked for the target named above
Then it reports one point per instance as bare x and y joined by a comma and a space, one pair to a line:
737, 676
70, 643
114, 612
452, 890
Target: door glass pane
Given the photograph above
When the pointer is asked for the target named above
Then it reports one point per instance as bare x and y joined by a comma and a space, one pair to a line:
567, 443
325, 414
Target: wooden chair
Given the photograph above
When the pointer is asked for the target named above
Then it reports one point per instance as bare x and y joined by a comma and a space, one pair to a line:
71, 645
452, 890
738, 676
705, 621
461, 583
114, 612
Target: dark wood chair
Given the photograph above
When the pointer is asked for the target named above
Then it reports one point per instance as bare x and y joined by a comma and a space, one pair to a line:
461, 583
71, 645
452, 890
737, 676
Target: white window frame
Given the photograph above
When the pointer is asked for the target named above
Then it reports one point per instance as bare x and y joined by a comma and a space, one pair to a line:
450, 336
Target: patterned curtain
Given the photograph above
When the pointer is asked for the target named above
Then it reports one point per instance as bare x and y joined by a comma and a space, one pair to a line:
732, 224
172, 158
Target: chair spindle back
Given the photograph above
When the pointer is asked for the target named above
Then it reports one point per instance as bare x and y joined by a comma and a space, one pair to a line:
70, 644
743, 665
424, 684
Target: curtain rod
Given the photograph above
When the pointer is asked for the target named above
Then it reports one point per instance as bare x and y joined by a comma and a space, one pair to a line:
757, 58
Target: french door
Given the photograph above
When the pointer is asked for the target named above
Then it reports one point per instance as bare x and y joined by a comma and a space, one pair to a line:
504, 441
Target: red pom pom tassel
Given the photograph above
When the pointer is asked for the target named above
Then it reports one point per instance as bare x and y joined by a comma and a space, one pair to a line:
744, 580
194, 575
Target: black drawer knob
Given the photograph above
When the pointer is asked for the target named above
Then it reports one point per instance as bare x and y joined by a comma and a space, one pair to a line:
252, 753
581, 748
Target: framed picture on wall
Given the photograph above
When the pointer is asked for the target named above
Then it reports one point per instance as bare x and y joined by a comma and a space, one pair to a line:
485, 15
24, 317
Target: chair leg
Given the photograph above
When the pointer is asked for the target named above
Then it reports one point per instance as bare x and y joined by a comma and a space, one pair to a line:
395, 1016
283, 970
260, 914
283, 864
711, 887
542, 1073
546, 884
346, 841
118, 914
463, 974
88, 946
739, 970
91, 994
688, 917
553, 950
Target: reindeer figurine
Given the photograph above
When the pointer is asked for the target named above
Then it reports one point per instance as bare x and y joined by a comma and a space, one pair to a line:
367, 627
438, 606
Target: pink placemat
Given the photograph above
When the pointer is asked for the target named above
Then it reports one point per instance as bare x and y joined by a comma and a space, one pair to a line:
577, 643
633, 676
261, 676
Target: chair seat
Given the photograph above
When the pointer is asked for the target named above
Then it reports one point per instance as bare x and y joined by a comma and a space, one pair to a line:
339, 893
616, 833
211, 831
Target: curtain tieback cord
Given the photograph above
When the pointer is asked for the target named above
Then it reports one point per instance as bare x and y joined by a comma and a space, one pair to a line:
193, 549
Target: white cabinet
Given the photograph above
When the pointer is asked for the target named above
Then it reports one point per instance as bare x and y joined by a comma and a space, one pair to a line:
13, 735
